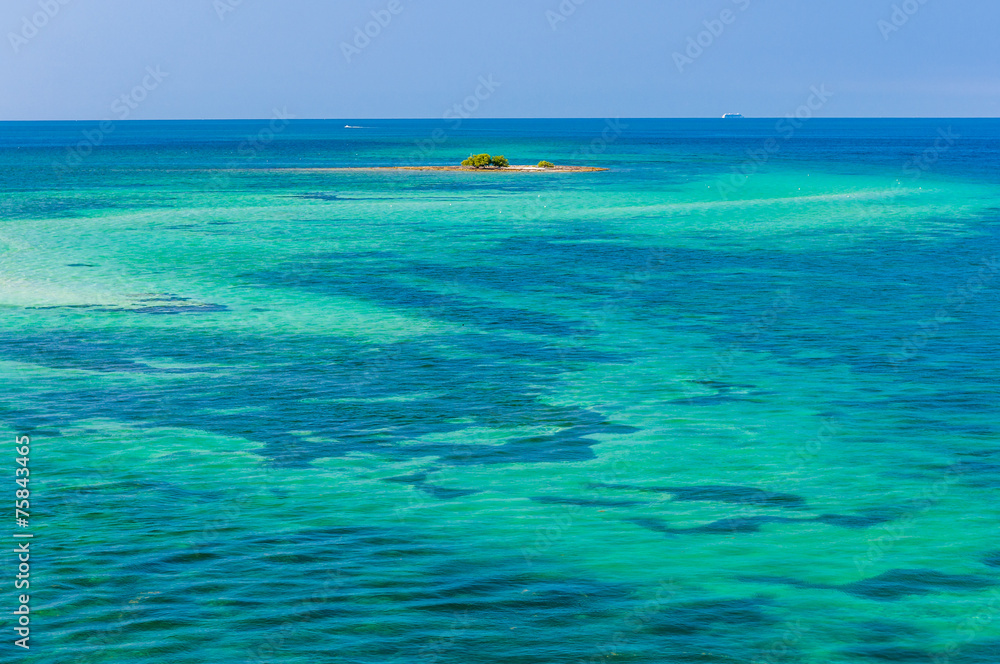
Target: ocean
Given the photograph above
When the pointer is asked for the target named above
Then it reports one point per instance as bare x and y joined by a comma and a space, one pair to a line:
734, 399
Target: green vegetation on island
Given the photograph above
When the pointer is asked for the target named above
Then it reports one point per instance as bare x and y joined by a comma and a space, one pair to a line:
481, 161
486, 161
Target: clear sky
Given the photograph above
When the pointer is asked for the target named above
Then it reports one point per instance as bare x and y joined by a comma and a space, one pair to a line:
75, 59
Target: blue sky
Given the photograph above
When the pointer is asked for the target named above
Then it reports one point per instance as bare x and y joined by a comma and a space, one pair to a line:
160, 59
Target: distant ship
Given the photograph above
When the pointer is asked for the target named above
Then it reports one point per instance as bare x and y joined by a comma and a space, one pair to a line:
732, 116
352, 127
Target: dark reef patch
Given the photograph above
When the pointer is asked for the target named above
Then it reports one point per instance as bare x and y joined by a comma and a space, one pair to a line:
710, 400
750, 524
65, 350
420, 482
319, 197
338, 582
583, 502
894, 584
177, 309
718, 493
165, 297
866, 519
357, 277
352, 396
689, 618
890, 654
992, 559
753, 524
898, 583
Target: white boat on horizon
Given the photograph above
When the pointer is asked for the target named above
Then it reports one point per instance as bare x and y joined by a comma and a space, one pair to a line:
732, 116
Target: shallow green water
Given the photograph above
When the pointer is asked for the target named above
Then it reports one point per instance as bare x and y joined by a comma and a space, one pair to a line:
657, 414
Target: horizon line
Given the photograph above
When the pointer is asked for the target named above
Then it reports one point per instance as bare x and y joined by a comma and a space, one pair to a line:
594, 117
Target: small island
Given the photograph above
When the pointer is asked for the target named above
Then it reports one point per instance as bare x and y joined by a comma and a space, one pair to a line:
482, 163
485, 162
513, 168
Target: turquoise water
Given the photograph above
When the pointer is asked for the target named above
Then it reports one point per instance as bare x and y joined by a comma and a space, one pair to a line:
730, 401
